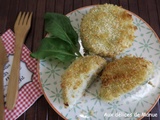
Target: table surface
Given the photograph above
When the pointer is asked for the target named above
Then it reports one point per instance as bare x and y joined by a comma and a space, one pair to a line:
149, 10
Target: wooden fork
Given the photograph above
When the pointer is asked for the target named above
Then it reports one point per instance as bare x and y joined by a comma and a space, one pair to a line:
21, 28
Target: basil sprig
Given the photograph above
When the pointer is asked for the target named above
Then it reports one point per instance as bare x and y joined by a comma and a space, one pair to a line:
62, 42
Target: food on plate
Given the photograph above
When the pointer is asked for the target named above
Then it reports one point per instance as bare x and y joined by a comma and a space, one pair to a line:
123, 75
78, 76
107, 30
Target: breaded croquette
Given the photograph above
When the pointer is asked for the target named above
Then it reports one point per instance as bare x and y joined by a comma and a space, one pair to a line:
107, 30
123, 75
78, 76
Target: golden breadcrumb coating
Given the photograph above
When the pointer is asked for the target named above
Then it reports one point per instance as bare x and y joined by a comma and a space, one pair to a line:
123, 75
78, 76
107, 30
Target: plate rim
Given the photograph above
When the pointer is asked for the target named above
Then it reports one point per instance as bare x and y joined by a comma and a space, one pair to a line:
85, 7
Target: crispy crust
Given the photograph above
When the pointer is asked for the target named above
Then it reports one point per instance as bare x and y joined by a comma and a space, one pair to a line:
123, 75
107, 30
78, 76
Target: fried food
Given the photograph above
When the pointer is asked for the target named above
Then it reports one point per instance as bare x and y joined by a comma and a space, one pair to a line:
123, 75
107, 30
78, 76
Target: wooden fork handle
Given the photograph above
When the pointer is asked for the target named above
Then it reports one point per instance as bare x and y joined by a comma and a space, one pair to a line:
1, 92
13, 84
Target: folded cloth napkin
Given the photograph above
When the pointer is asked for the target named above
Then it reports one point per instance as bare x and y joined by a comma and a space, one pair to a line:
29, 87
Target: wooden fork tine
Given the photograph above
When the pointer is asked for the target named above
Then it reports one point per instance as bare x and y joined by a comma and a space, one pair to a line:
22, 18
26, 18
29, 19
18, 19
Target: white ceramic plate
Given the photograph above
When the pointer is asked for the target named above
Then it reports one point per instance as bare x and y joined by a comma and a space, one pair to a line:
130, 106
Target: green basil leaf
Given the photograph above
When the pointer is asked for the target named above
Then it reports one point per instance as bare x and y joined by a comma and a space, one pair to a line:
56, 48
59, 26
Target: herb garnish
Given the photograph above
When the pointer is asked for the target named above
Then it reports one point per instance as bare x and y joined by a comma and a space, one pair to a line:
62, 42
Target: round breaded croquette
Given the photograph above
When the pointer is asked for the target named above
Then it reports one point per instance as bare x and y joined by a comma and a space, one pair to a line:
107, 30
